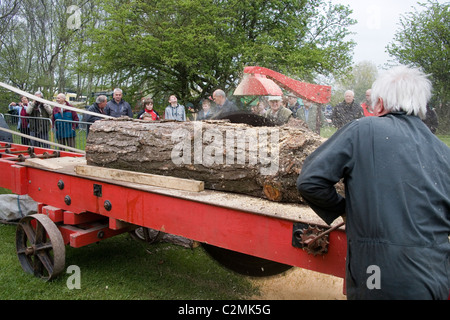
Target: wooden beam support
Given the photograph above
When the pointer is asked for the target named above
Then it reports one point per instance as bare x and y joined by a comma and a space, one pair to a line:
141, 178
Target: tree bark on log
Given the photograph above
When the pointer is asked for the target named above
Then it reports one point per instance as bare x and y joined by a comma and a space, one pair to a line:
258, 161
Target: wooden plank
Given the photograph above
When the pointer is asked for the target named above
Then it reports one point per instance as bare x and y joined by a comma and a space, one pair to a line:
41, 164
54, 163
140, 178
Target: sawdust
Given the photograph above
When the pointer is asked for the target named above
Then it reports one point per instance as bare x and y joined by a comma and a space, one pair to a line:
300, 284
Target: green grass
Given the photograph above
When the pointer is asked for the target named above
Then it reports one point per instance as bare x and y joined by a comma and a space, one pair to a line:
445, 139
327, 131
121, 268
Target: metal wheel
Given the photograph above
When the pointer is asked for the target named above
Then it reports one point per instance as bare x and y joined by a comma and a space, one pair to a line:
147, 235
40, 246
245, 264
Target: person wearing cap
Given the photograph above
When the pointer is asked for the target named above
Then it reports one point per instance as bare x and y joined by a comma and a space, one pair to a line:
277, 112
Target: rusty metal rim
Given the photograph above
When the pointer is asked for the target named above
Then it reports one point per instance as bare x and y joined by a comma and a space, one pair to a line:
40, 246
147, 235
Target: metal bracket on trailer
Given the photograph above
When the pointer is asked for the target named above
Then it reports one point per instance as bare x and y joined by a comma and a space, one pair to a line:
312, 238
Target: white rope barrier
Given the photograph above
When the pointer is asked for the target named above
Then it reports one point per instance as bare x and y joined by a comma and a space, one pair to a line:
54, 104
43, 141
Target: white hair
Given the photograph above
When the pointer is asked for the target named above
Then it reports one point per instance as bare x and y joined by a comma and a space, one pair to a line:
118, 90
220, 93
403, 89
350, 91
101, 98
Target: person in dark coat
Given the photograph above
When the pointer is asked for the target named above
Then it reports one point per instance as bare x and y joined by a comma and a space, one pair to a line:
207, 112
431, 120
22, 121
346, 111
39, 121
98, 107
118, 107
397, 200
224, 106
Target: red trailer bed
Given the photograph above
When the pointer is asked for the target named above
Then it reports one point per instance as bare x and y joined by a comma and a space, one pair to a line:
77, 210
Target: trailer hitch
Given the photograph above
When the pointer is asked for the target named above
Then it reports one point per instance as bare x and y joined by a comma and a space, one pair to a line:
311, 238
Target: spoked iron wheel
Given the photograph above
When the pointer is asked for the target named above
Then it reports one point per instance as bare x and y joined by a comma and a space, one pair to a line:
147, 235
40, 246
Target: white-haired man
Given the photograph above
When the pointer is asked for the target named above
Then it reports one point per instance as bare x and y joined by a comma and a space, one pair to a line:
223, 105
118, 107
98, 107
346, 111
397, 202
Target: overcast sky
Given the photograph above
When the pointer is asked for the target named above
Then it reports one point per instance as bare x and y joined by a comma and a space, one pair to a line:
377, 23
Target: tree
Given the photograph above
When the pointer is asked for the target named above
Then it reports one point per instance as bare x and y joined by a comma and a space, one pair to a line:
423, 40
359, 80
8, 10
38, 48
191, 47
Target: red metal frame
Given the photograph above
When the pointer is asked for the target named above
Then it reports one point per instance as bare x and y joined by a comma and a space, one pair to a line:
87, 218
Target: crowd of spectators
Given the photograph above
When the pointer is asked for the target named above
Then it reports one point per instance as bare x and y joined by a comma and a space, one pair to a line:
33, 118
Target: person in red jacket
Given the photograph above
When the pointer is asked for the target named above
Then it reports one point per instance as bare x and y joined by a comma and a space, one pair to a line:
367, 105
148, 113
22, 121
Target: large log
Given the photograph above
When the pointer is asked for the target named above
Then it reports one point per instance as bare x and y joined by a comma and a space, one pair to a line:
258, 161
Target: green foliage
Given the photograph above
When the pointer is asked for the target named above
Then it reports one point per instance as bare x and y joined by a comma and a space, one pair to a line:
445, 139
191, 47
153, 47
359, 79
423, 40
